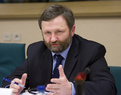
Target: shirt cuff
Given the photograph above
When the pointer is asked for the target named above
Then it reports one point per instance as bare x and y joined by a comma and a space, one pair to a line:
73, 89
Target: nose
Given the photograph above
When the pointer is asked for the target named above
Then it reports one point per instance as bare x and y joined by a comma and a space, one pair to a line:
53, 38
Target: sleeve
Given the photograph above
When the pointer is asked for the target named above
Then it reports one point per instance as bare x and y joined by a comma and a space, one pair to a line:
99, 81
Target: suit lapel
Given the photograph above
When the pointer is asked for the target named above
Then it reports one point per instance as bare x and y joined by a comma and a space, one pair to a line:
71, 58
47, 65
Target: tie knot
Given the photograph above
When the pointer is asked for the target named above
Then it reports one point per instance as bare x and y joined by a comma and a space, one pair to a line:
58, 58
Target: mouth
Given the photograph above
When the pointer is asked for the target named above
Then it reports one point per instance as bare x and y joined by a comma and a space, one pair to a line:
55, 45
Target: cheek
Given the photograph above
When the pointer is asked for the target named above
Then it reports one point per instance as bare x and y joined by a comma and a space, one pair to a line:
64, 36
46, 39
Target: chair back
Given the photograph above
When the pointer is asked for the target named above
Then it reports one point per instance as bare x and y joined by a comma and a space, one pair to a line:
116, 72
12, 55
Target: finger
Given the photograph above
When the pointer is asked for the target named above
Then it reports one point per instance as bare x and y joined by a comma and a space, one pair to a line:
61, 71
16, 80
53, 88
50, 94
12, 85
15, 90
23, 78
56, 81
57, 86
15, 86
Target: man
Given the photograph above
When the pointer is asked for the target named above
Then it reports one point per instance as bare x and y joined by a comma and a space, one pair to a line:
58, 30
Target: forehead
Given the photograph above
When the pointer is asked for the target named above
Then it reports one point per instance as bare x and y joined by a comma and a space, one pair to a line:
56, 22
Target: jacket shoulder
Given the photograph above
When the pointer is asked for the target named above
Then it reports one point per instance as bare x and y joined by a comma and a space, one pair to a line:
36, 47
89, 46
89, 43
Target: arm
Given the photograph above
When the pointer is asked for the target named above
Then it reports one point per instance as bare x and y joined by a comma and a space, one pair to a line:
99, 81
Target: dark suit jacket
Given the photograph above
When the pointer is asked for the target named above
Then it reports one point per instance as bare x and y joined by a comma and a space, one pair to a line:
82, 53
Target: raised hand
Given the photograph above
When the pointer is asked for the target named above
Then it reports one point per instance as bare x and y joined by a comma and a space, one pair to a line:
16, 88
60, 86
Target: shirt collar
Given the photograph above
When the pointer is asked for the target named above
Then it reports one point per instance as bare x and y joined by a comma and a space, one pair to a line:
64, 53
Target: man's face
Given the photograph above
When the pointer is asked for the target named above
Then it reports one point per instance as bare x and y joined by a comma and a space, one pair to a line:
56, 34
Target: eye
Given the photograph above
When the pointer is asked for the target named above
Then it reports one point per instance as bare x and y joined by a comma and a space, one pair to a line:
47, 32
59, 31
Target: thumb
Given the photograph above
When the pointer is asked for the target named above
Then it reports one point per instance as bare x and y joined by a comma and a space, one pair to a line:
61, 71
23, 78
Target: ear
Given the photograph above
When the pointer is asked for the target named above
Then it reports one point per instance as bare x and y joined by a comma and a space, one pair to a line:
73, 30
